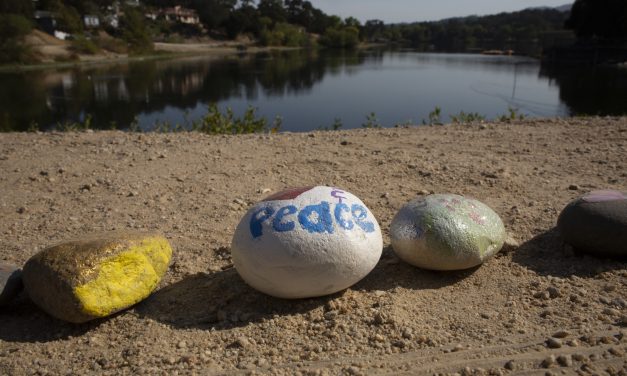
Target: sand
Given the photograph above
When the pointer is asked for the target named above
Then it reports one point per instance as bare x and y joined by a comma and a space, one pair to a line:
537, 308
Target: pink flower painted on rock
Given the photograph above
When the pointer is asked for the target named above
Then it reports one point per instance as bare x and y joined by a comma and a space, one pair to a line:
604, 195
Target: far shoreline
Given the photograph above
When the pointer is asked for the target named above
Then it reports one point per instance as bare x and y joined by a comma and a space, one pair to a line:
161, 52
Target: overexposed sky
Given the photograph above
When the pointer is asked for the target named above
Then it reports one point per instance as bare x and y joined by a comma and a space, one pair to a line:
424, 10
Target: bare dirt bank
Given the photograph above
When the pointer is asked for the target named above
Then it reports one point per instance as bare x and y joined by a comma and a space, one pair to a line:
398, 320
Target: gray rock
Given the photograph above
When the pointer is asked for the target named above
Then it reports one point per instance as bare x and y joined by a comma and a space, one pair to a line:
446, 232
10, 283
596, 223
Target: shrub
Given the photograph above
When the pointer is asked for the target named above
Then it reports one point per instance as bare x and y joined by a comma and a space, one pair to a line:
82, 45
340, 37
214, 122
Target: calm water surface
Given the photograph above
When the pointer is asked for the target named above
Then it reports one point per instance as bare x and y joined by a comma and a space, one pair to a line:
308, 89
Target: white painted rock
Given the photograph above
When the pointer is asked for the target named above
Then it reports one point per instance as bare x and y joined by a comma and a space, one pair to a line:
446, 232
306, 242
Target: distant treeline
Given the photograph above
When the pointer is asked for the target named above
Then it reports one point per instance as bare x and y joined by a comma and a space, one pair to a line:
519, 31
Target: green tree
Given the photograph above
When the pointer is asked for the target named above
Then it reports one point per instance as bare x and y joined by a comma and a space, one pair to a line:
604, 19
134, 32
13, 28
213, 13
273, 9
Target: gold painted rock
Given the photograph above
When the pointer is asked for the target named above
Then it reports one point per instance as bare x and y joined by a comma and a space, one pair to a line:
91, 278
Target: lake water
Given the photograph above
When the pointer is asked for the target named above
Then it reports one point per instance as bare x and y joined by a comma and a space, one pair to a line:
308, 89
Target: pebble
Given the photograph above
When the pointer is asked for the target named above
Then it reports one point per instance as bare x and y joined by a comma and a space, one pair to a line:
10, 283
565, 360
554, 292
596, 223
510, 365
446, 232
548, 361
554, 343
97, 275
243, 342
579, 357
561, 334
306, 242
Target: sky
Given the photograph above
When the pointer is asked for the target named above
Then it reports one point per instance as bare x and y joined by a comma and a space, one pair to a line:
392, 11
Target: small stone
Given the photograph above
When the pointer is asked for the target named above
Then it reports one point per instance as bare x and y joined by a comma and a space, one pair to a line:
554, 292
446, 232
573, 343
344, 143
554, 343
21, 210
573, 187
596, 223
181, 345
408, 333
579, 357
242, 342
609, 288
611, 312
616, 351
10, 283
565, 360
544, 295
549, 361
97, 275
510, 365
561, 334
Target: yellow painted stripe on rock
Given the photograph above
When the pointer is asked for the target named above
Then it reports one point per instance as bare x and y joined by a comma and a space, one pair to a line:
125, 279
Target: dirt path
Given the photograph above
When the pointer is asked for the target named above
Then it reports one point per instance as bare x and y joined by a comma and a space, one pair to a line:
495, 319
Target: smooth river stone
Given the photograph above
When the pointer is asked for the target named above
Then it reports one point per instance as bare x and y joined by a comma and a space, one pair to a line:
306, 242
446, 232
596, 223
10, 283
97, 276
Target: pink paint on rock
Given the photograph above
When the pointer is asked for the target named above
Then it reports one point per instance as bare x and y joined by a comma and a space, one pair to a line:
604, 195
288, 194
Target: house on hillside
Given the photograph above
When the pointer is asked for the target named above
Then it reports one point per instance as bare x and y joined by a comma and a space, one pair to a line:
91, 21
182, 15
46, 21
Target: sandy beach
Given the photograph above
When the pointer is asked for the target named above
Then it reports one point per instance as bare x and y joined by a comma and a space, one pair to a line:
537, 308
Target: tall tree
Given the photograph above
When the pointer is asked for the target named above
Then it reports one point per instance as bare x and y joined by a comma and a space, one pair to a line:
272, 9
213, 13
605, 19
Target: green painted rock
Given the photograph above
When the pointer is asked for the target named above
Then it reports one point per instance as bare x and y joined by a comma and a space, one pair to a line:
596, 223
91, 278
446, 232
10, 283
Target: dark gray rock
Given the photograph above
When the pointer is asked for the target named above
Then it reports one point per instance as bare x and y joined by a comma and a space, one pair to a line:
596, 223
10, 283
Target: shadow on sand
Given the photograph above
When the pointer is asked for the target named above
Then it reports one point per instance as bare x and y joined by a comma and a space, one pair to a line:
23, 321
547, 255
223, 300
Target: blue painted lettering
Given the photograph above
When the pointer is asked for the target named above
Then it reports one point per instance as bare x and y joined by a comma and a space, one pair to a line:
322, 221
313, 218
257, 219
345, 224
278, 225
359, 215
